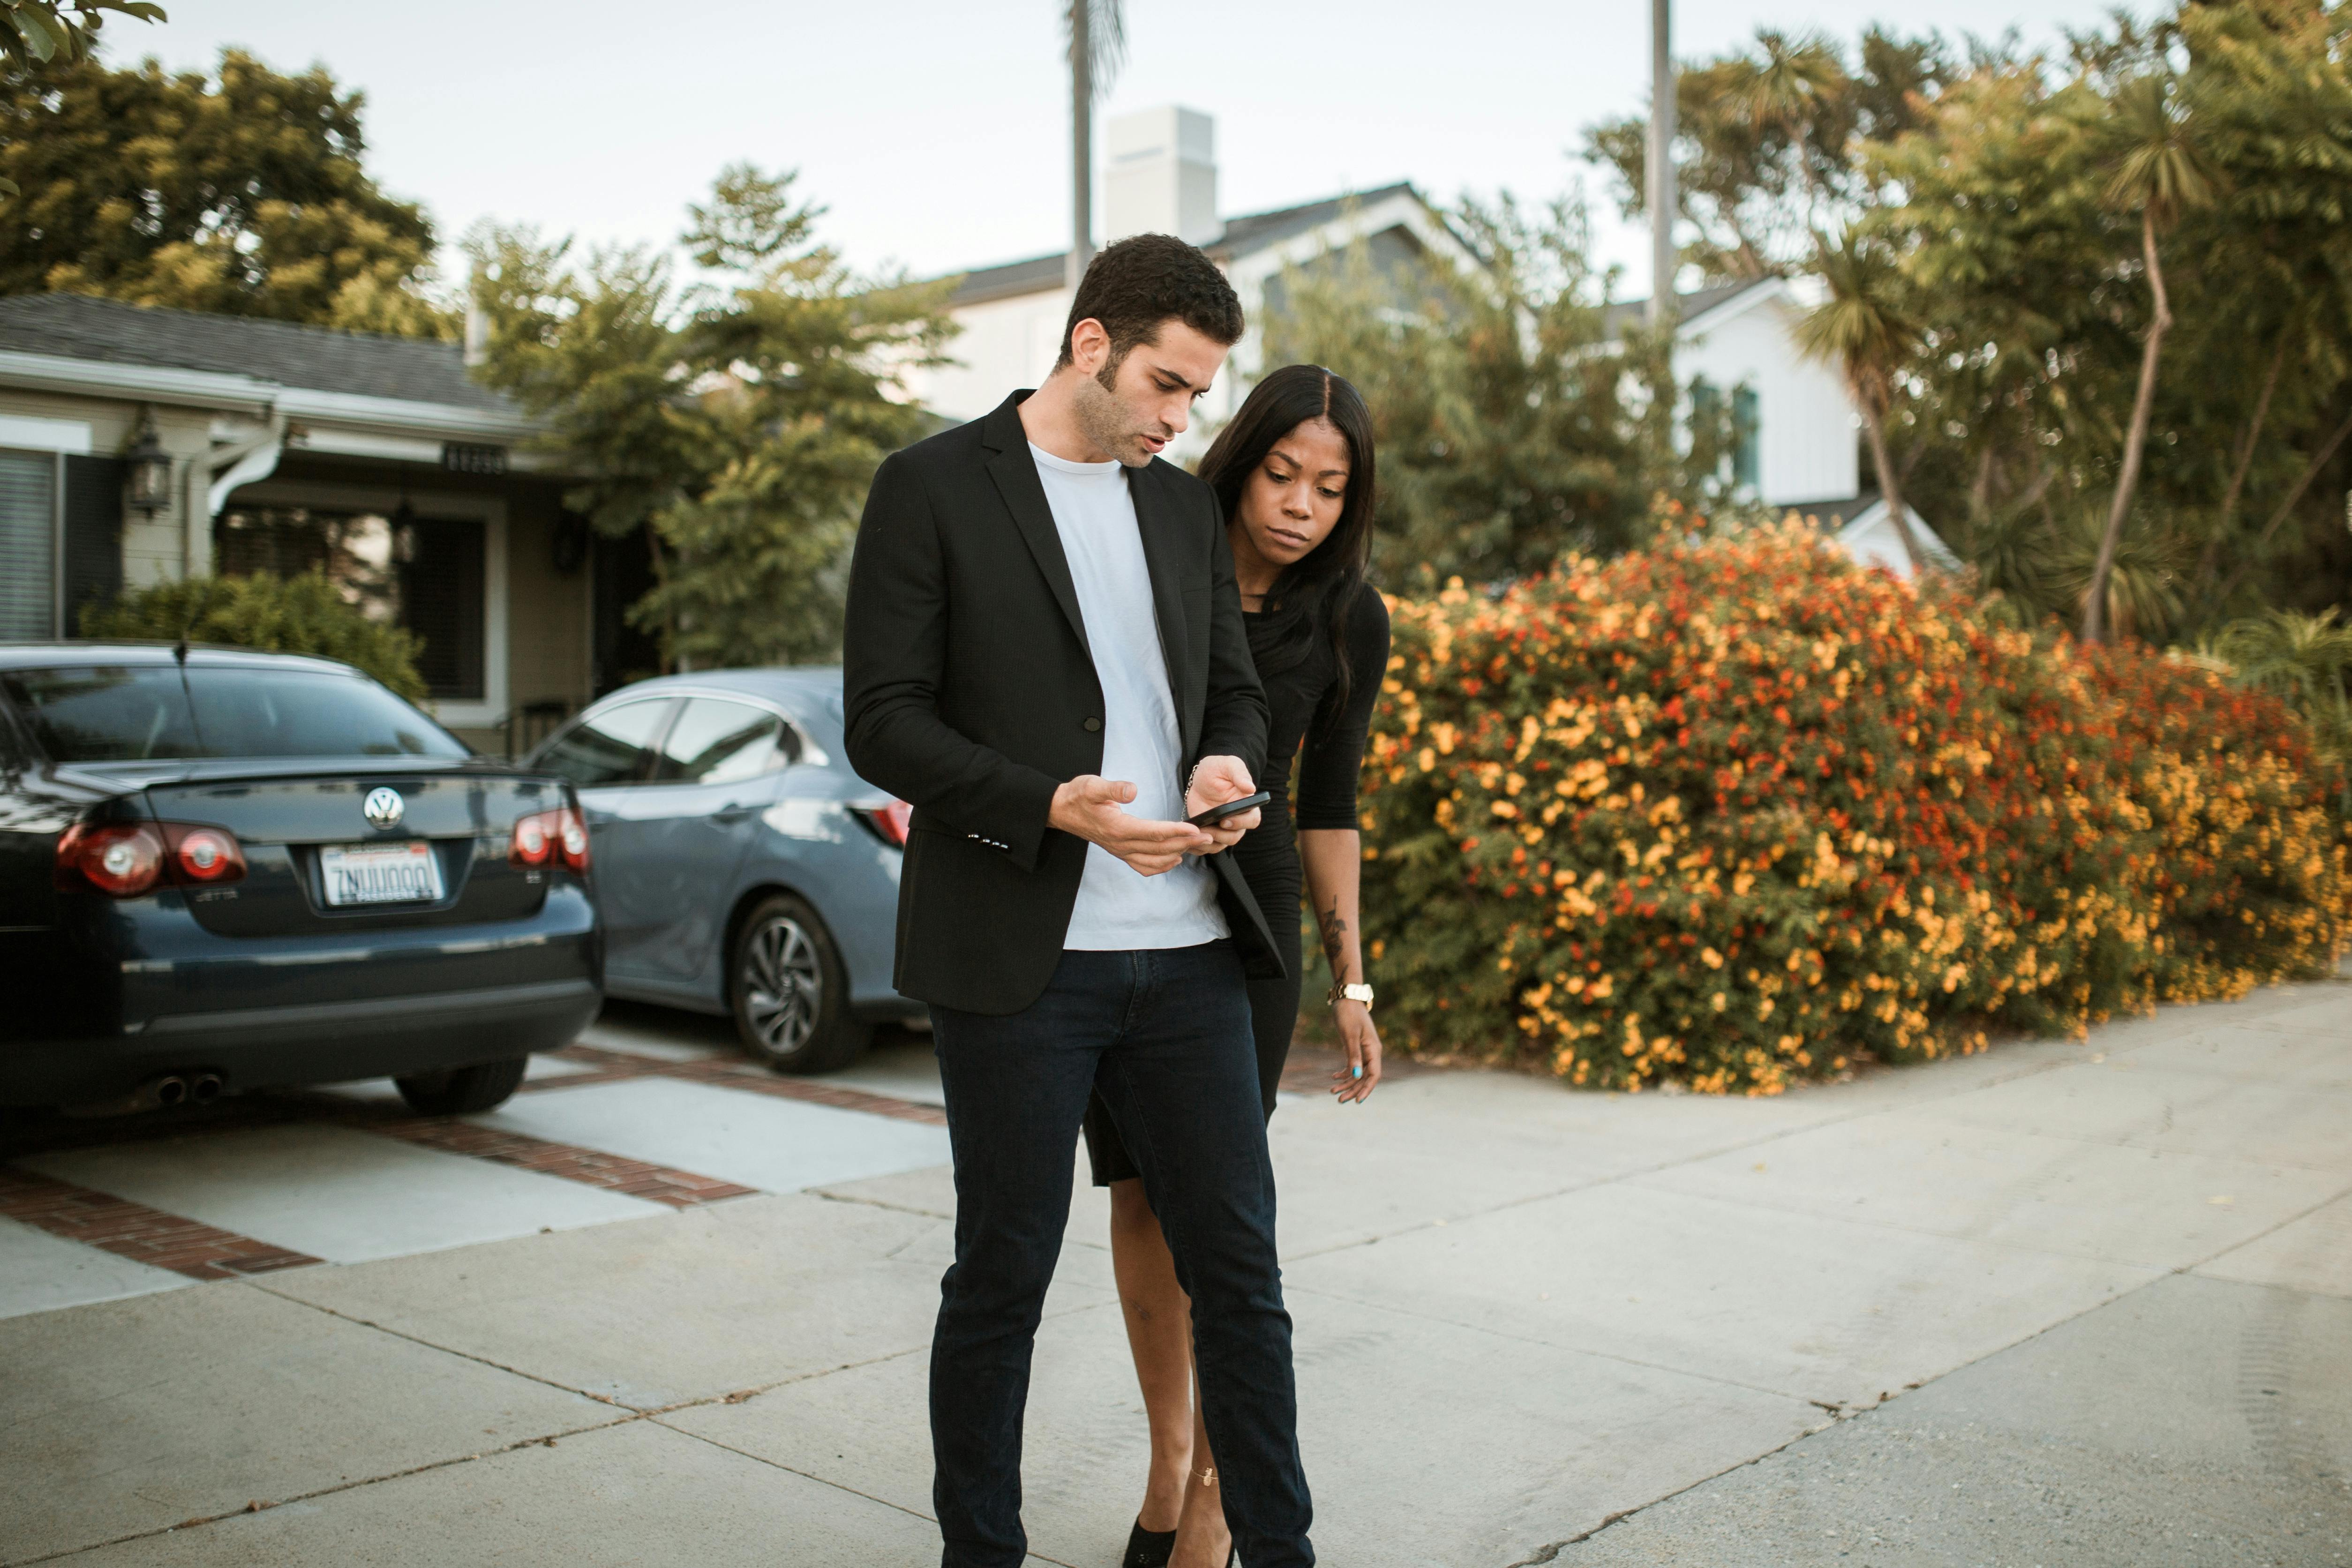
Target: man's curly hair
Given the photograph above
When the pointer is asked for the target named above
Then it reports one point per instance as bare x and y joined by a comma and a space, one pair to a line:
1137, 284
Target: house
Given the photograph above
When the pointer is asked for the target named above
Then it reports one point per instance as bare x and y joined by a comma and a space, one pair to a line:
1864, 529
1793, 424
1162, 179
139, 445
1796, 446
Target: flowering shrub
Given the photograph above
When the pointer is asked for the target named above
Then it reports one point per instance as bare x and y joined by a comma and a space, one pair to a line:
1735, 813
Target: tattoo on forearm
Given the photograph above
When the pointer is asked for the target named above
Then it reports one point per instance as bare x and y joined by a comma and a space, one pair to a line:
1334, 929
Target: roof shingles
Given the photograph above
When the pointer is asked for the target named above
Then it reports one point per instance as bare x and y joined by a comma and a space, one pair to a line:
1242, 236
316, 359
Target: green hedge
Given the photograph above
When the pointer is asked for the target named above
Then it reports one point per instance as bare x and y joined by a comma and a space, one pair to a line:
305, 614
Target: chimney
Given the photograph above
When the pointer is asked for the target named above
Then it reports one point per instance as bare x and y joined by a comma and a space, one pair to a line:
477, 322
1161, 175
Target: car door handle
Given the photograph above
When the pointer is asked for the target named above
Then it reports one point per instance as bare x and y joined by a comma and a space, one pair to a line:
733, 811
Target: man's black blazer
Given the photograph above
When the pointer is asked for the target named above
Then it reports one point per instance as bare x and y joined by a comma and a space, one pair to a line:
971, 694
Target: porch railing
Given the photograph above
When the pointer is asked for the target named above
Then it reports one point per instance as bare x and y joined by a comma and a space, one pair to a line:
531, 723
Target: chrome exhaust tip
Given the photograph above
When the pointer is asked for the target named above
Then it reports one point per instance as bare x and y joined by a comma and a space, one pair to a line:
205, 1088
155, 1094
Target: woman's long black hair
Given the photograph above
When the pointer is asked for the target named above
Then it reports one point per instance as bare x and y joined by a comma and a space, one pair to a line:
1311, 599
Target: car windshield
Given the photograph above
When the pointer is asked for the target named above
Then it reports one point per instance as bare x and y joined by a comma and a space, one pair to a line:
102, 713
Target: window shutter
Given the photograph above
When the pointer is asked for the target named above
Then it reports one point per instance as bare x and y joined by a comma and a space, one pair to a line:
93, 536
1746, 434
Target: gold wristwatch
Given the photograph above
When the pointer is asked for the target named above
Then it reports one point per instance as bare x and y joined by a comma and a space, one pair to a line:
1351, 993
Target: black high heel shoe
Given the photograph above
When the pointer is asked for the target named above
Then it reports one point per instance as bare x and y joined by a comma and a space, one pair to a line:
1148, 1548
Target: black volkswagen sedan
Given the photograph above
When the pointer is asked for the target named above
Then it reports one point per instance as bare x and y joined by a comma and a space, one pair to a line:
223, 869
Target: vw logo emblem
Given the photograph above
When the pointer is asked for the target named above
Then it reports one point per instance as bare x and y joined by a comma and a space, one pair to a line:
383, 807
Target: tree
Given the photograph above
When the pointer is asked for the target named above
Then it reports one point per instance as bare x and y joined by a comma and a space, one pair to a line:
1095, 33
735, 422
40, 31
2158, 173
1775, 170
2273, 93
2006, 187
1770, 143
2028, 315
1865, 329
1514, 425
35, 32
244, 195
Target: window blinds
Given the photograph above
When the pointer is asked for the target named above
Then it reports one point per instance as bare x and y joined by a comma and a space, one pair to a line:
28, 545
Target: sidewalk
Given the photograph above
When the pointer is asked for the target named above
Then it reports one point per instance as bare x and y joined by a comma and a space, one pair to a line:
2062, 1303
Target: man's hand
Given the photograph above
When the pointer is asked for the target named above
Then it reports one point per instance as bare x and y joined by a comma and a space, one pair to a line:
1215, 780
1088, 807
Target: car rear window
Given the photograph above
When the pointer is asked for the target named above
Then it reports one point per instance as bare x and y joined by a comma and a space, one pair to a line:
138, 714
718, 742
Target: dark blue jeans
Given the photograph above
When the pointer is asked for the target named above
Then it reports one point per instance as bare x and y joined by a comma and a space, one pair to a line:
1165, 1036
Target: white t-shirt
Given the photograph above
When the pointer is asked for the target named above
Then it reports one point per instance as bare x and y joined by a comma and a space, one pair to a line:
1119, 909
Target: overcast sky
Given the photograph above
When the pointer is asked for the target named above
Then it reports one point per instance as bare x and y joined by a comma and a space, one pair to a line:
935, 131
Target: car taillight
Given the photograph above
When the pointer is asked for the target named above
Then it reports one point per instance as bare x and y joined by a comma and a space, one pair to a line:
559, 837
532, 841
120, 859
206, 855
888, 821
123, 859
571, 838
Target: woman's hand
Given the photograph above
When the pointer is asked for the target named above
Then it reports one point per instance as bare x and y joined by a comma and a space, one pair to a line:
1355, 1082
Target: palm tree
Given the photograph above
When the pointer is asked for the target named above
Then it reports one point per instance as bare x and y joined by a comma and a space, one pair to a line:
1798, 90
1863, 328
1793, 89
1096, 31
2142, 596
2306, 659
2158, 173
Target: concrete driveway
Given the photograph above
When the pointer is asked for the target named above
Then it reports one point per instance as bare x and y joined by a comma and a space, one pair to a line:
2062, 1303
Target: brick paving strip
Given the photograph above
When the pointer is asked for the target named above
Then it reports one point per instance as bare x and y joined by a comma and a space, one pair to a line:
613, 1066
590, 1168
135, 1231
201, 1251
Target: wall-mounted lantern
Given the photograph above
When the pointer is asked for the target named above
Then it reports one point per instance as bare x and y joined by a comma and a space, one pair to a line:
149, 482
404, 533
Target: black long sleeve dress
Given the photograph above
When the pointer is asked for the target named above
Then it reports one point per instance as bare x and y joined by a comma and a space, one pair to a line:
1299, 670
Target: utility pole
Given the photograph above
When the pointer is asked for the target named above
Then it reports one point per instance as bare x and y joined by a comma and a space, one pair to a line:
1082, 147
1661, 196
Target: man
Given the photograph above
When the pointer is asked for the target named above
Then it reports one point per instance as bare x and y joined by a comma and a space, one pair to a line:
1046, 657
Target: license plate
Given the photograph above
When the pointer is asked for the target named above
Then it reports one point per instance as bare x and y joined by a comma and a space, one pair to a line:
380, 874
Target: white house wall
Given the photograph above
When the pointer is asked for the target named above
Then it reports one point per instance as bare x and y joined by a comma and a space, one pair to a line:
1806, 430
1005, 343
1012, 342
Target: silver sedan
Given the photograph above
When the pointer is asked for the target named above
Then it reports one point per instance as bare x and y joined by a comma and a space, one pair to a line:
742, 868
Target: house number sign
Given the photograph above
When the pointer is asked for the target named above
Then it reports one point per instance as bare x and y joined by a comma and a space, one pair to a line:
459, 457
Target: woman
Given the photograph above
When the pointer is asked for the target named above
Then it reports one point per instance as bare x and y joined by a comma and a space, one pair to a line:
1293, 471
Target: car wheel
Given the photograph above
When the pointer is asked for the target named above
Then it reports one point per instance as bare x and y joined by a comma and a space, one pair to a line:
463, 1091
790, 992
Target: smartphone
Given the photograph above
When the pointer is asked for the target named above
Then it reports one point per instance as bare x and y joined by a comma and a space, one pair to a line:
1215, 815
